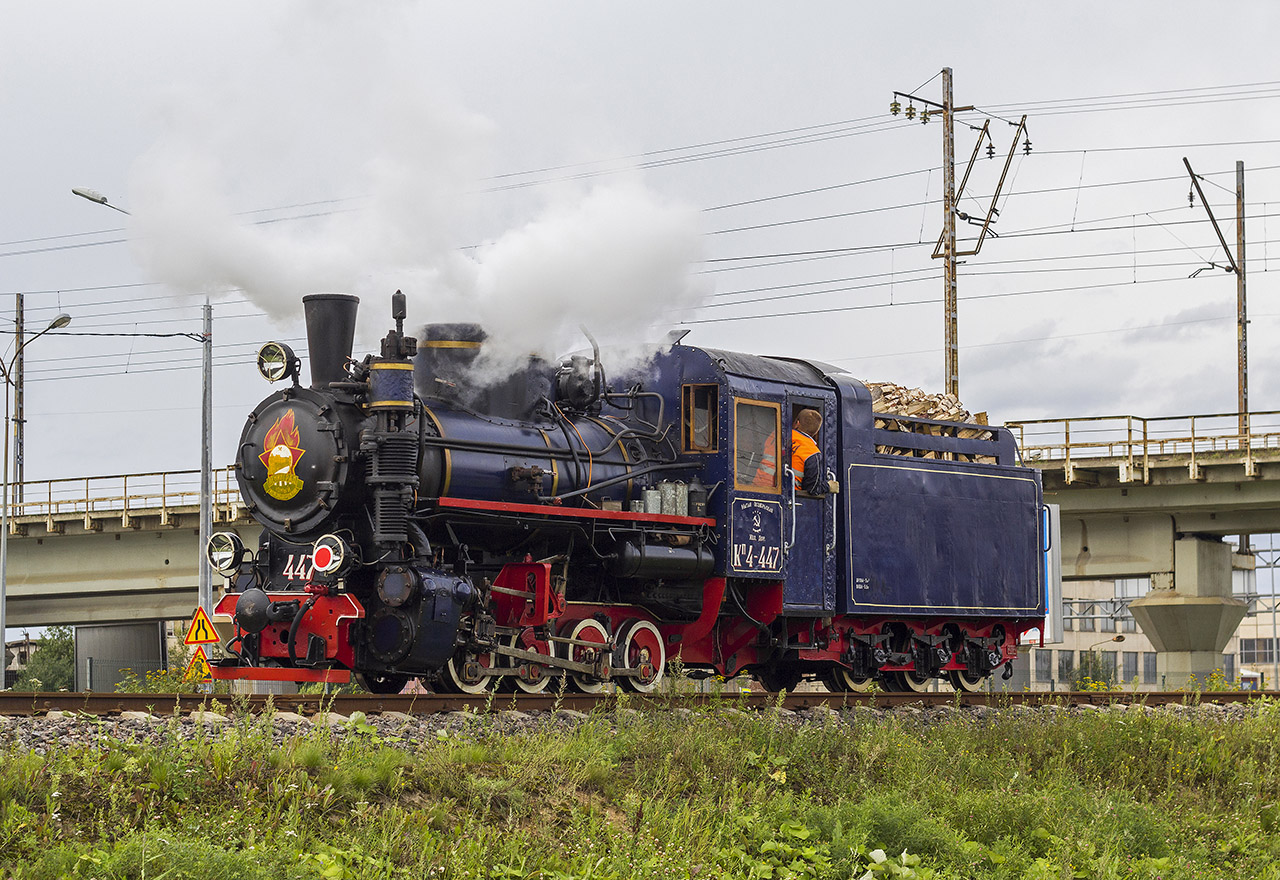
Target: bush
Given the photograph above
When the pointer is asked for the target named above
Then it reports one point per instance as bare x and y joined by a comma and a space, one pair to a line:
52, 667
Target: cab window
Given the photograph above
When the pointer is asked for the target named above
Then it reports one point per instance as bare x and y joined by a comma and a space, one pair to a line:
700, 411
757, 459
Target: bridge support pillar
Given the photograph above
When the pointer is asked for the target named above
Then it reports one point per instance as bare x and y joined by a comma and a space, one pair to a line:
1192, 622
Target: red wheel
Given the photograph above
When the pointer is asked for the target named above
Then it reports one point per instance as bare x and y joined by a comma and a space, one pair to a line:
640, 648
530, 677
587, 631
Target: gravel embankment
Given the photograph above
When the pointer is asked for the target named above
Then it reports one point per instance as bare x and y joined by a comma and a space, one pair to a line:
59, 730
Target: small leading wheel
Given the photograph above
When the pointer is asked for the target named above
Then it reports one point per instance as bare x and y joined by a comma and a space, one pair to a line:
381, 682
459, 676
640, 647
592, 631
839, 680
532, 678
962, 680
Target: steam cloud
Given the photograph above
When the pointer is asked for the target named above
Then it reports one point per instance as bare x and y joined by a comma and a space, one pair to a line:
615, 258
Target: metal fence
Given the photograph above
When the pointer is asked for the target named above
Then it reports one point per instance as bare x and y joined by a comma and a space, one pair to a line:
160, 493
1135, 440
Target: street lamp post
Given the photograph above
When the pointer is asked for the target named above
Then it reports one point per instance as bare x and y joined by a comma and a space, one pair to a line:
205, 582
62, 320
1119, 638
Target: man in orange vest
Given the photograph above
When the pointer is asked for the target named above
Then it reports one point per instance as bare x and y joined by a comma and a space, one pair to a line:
806, 459
767, 473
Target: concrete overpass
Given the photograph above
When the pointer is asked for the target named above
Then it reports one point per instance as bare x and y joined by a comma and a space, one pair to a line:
1154, 498
1129, 486
112, 549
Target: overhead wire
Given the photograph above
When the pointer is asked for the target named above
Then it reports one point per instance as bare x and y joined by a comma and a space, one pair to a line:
920, 302
1056, 336
821, 130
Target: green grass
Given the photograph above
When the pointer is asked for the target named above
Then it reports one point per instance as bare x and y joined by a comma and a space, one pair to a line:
1098, 795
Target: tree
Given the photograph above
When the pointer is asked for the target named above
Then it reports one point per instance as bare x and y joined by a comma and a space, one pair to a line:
1094, 673
52, 667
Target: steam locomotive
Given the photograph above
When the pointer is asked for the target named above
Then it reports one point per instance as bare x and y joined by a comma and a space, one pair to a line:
567, 527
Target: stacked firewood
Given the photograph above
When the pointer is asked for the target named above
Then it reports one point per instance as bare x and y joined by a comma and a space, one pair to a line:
899, 408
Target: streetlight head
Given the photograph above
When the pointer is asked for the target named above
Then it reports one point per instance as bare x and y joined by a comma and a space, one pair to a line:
59, 322
91, 194
1118, 639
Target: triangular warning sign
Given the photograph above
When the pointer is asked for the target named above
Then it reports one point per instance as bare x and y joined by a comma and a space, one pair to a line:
198, 667
201, 631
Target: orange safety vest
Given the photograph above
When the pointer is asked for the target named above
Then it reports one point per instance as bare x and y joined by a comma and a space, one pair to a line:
767, 473
802, 446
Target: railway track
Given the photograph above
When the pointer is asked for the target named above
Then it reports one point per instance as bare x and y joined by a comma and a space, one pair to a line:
101, 704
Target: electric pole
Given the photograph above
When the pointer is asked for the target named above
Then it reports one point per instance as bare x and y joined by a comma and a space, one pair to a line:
946, 247
949, 306
1235, 263
19, 407
1242, 317
204, 583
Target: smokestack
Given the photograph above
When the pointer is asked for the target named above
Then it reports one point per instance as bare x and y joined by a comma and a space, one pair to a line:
331, 330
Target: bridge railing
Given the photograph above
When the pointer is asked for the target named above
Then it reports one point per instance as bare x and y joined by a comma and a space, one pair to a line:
1136, 440
125, 494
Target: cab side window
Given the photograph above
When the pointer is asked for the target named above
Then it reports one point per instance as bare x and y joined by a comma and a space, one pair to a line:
757, 446
700, 413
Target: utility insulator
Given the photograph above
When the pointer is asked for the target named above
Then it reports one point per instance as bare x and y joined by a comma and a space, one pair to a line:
895, 107
1026, 147
924, 116
991, 150
911, 111
1191, 198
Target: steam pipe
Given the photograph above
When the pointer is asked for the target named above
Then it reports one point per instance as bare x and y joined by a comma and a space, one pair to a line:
293, 627
566, 454
639, 472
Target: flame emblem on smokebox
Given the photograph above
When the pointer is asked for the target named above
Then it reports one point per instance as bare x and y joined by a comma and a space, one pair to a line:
280, 457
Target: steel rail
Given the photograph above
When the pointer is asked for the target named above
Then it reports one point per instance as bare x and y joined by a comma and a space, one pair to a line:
105, 705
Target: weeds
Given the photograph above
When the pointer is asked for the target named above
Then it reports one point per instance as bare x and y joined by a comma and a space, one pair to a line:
656, 795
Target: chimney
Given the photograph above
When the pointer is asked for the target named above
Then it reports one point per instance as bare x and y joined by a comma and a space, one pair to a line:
331, 330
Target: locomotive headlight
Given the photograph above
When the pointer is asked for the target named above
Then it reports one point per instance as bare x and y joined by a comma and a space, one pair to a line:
224, 551
277, 361
330, 555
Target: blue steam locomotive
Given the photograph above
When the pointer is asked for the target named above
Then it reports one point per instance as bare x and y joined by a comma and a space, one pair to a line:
566, 526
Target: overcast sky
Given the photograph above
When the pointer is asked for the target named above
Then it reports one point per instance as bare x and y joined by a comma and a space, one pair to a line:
630, 166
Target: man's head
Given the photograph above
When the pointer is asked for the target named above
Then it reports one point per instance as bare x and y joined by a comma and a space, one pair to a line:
808, 421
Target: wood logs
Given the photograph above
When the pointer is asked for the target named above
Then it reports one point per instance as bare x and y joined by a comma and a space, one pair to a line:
899, 408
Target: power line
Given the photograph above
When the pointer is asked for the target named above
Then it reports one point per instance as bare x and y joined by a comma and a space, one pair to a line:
1045, 338
920, 302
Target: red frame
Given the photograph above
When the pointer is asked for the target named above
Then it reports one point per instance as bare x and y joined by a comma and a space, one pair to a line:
330, 617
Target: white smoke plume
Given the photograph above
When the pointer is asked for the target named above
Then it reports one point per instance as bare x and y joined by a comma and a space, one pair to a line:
615, 258
615, 262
